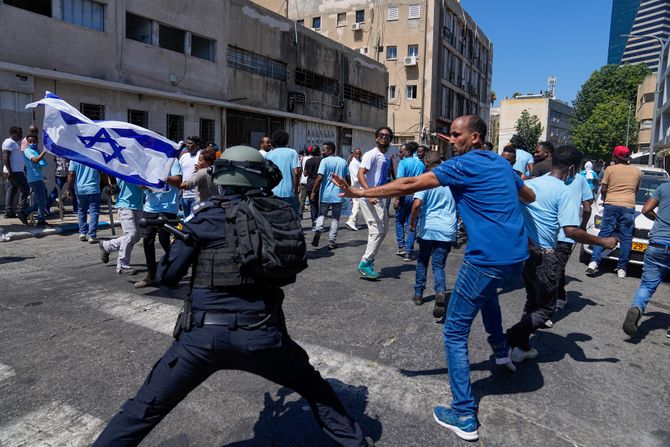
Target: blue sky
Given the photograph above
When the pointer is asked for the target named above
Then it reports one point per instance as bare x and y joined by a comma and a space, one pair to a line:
534, 39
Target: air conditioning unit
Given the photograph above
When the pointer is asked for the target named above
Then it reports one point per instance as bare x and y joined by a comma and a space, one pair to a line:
410, 61
356, 26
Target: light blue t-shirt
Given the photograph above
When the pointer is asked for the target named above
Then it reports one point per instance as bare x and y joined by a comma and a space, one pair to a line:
130, 196
580, 191
410, 167
660, 232
522, 160
551, 210
34, 171
287, 160
164, 201
437, 218
331, 165
87, 180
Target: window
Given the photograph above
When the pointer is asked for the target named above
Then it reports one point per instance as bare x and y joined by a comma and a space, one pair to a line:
254, 63
309, 79
391, 53
413, 50
341, 19
392, 13
316, 22
84, 13
414, 12
138, 117
171, 38
645, 124
392, 91
364, 96
360, 16
138, 28
647, 97
96, 112
174, 127
202, 48
207, 131
300, 22
37, 6
380, 49
410, 92
363, 50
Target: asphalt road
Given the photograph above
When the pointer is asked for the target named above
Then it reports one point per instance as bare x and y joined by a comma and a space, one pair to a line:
76, 340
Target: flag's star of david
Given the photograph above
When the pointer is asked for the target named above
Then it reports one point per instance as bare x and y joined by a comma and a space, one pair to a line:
104, 137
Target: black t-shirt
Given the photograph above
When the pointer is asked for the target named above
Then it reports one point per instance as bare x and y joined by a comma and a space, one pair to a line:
312, 170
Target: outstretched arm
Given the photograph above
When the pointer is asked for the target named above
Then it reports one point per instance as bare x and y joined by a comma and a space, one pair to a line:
400, 187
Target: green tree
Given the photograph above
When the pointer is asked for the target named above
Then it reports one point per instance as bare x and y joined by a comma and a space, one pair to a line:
605, 128
529, 128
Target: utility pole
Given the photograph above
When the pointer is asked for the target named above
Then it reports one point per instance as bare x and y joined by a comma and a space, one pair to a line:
628, 124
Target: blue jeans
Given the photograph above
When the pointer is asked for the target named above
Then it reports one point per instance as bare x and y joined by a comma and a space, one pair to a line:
186, 205
438, 250
88, 204
476, 288
617, 219
402, 215
39, 201
656, 267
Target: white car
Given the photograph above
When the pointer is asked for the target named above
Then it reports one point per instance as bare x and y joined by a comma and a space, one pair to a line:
651, 179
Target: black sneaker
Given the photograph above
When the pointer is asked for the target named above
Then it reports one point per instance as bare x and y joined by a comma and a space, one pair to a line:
42, 223
316, 238
126, 271
409, 257
418, 300
104, 256
332, 245
23, 216
439, 310
10, 215
632, 320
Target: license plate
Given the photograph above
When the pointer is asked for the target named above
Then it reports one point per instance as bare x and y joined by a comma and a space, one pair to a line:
638, 246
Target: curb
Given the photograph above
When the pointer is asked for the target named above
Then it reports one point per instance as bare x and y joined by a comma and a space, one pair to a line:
62, 229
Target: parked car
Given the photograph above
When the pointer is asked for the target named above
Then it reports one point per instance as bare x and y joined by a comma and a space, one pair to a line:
651, 179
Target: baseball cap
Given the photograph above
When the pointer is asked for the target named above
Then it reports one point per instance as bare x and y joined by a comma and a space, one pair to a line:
622, 153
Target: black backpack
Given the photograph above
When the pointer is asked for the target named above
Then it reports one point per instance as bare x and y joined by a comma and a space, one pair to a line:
270, 241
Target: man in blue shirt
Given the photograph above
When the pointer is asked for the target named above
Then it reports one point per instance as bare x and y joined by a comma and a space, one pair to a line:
129, 206
157, 204
524, 159
487, 193
35, 173
288, 163
409, 166
87, 188
436, 230
656, 257
328, 194
552, 210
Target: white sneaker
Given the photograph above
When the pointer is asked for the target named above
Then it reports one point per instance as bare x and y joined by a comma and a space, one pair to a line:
351, 226
519, 355
621, 273
592, 268
548, 324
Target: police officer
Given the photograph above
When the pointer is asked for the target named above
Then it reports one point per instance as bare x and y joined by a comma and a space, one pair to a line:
231, 326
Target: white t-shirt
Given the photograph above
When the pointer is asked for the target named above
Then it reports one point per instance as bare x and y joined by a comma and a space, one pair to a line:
354, 166
15, 157
377, 165
303, 177
187, 163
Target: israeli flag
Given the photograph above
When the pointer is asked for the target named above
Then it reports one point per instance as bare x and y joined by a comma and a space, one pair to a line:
123, 150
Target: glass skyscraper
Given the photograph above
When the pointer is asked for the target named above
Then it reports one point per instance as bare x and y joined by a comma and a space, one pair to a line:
623, 15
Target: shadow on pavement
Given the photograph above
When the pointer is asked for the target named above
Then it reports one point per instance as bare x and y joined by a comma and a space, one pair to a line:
10, 259
292, 424
651, 321
576, 302
319, 252
396, 270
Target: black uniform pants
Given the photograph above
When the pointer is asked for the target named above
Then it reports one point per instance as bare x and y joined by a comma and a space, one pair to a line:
563, 252
204, 350
541, 277
18, 184
149, 241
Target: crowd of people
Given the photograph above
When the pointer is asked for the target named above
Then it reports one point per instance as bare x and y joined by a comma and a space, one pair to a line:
523, 214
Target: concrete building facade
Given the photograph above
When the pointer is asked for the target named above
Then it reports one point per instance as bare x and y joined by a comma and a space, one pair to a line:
644, 114
439, 61
229, 71
554, 115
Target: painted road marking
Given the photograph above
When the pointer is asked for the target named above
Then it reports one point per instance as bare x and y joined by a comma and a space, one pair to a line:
6, 372
52, 425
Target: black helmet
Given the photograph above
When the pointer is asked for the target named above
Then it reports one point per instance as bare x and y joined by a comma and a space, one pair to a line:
245, 167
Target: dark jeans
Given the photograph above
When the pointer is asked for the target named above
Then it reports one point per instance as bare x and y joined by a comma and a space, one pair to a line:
563, 252
541, 275
438, 251
656, 267
186, 205
314, 208
89, 204
620, 220
205, 350
18, 184
149, 241
404, 237
39, 199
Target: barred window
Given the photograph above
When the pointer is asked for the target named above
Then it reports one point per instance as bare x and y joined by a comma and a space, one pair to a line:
363, 96
254, 63
207, 132
138, 117
174, 127
96, 112
309, 79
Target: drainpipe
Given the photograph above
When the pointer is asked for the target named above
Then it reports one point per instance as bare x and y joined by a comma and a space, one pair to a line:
422, 135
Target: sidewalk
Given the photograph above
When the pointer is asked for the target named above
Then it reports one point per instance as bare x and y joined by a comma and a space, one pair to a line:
14, 230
